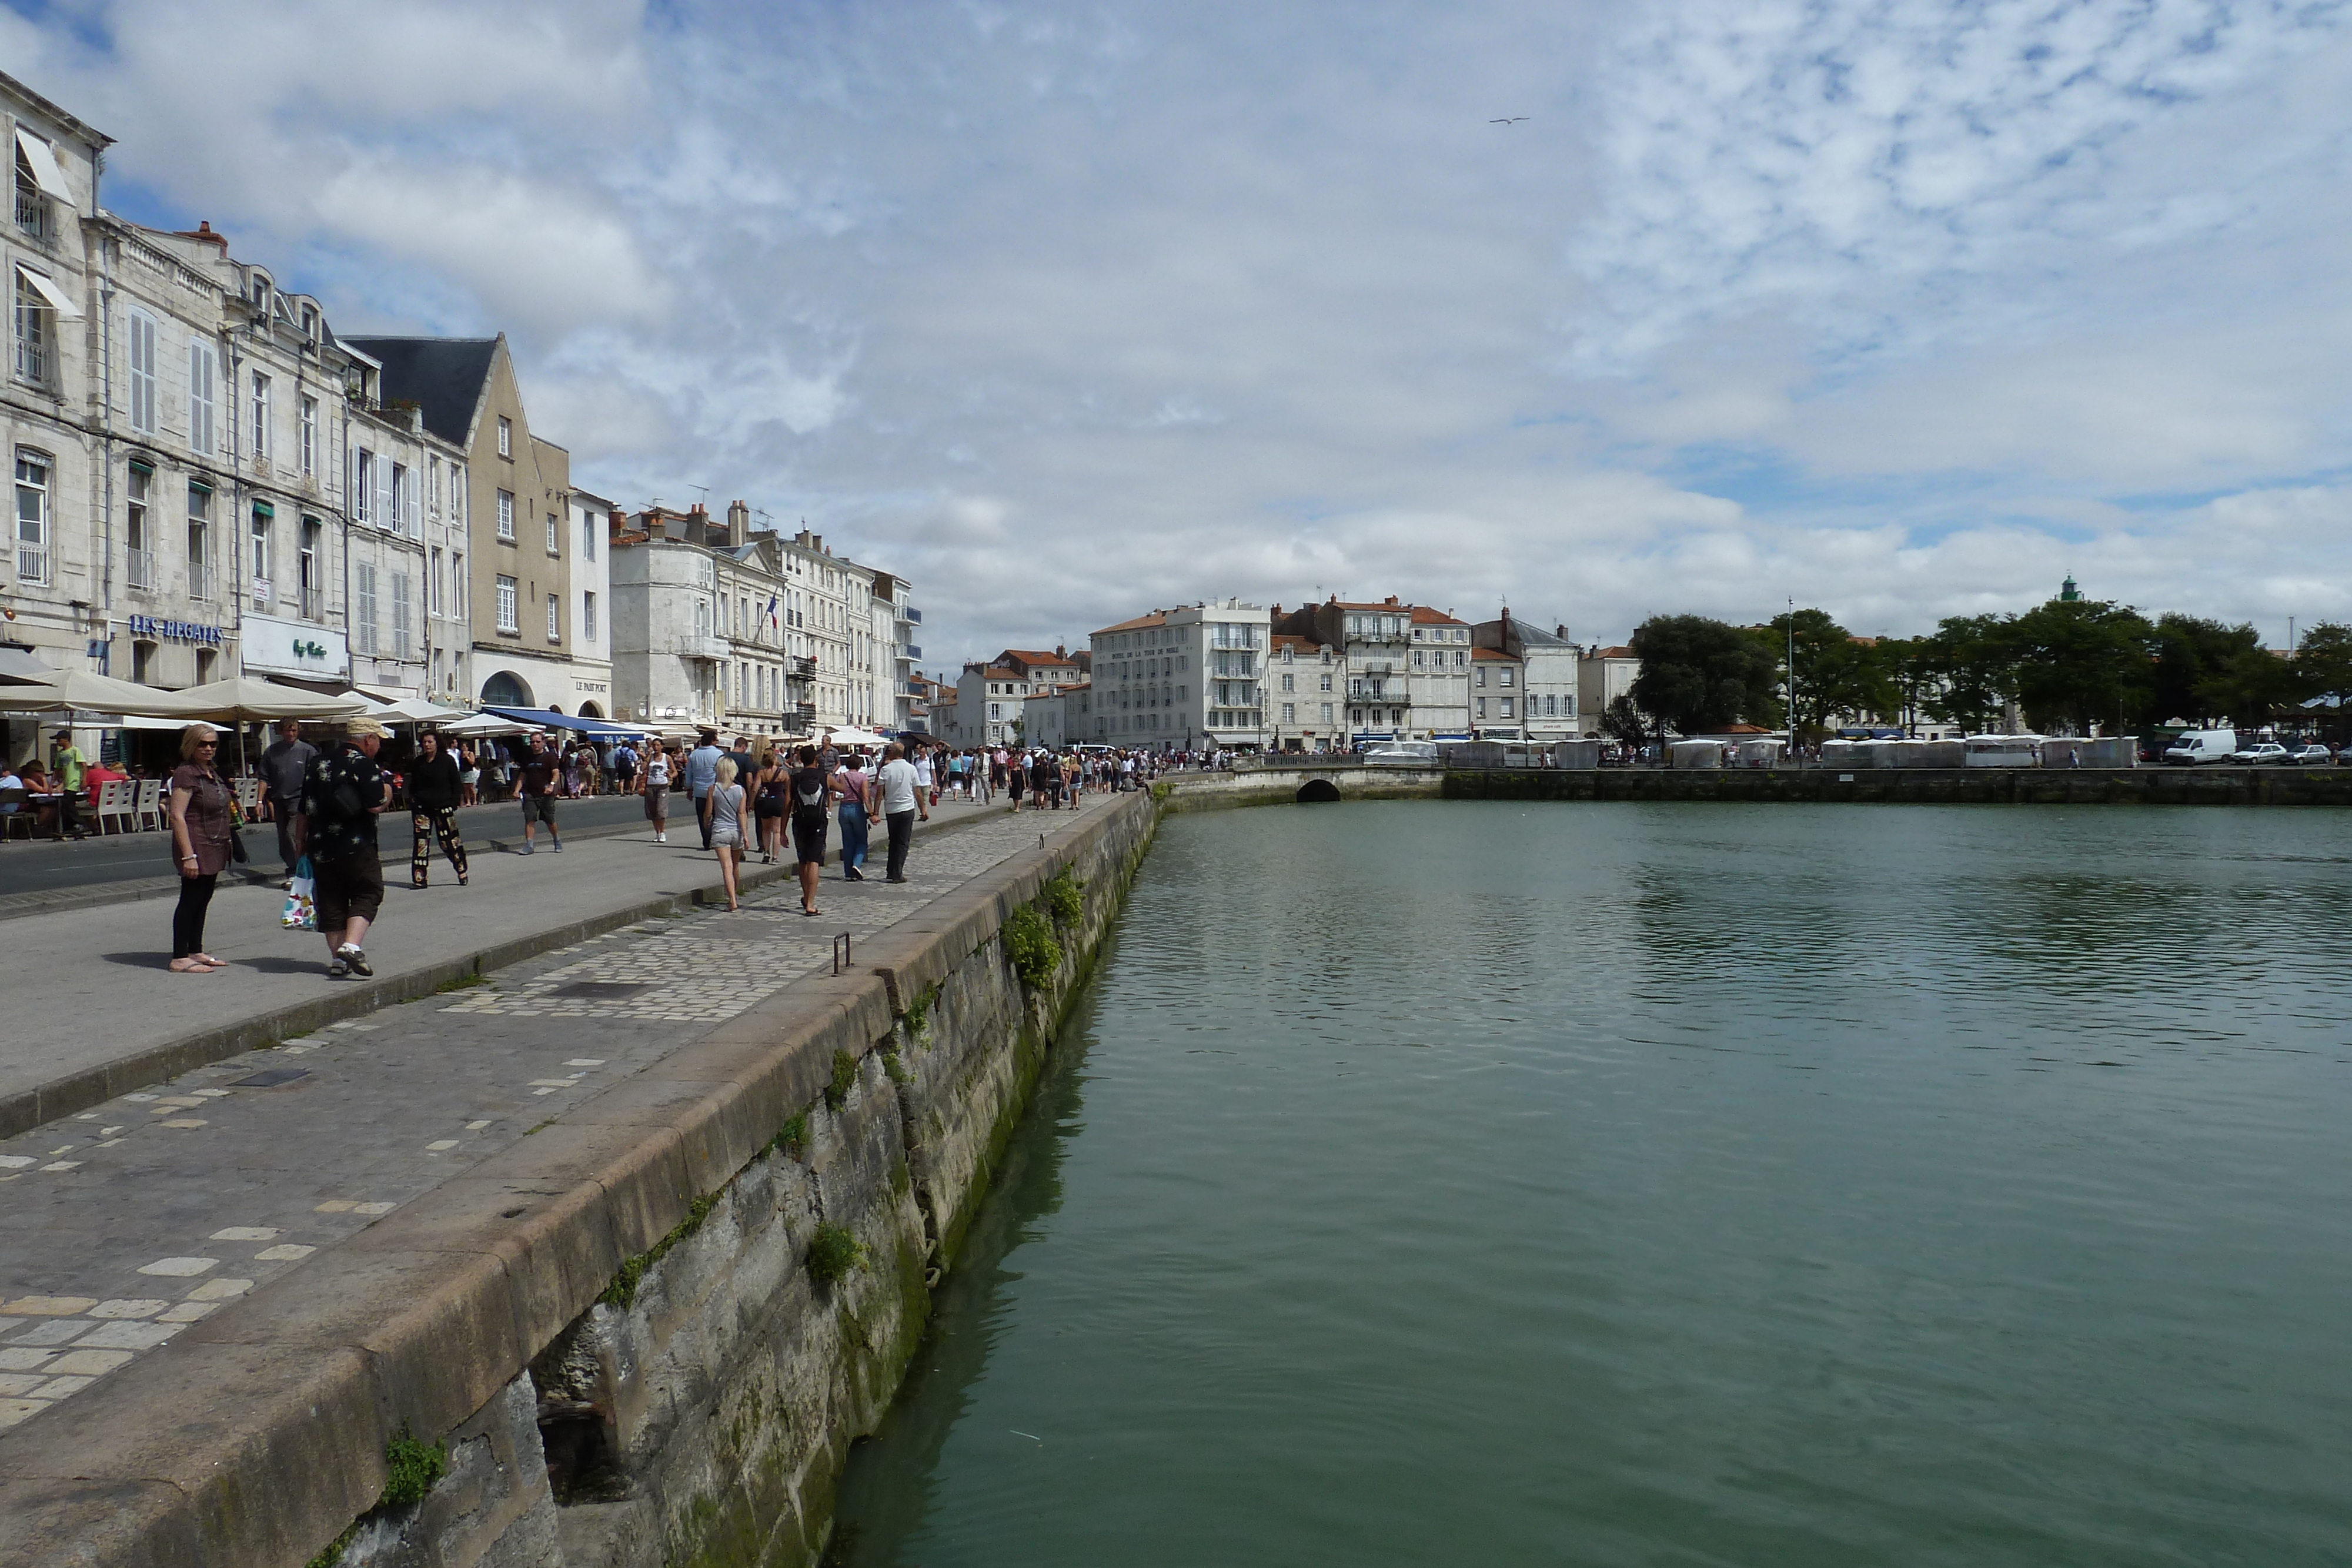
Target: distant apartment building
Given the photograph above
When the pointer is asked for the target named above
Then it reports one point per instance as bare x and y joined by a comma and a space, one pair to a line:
1603, 675
748, 627
1183, 679
991, 695
516, 501
1548, 666
1497, 703
1408, 666
590, 522
1307, 694
1061, 717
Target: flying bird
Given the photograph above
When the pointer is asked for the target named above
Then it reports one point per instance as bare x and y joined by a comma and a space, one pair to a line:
1514, 119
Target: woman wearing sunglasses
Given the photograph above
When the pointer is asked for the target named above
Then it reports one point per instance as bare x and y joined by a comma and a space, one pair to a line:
203, 814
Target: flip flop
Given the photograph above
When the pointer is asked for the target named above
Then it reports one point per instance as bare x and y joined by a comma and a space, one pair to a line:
811, 914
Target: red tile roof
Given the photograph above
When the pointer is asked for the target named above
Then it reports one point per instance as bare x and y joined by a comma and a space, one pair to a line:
1157, 618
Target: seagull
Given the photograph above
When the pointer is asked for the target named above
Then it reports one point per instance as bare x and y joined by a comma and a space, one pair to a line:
1514, 119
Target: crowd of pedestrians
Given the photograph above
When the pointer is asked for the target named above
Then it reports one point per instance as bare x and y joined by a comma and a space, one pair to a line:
326, 797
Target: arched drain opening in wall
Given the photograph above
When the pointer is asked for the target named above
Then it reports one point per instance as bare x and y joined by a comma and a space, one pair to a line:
1318, 790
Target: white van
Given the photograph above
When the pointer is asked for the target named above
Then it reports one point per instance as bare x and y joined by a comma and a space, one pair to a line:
2195, 746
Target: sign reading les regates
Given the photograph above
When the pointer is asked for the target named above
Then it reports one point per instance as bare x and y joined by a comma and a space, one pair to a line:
173, 630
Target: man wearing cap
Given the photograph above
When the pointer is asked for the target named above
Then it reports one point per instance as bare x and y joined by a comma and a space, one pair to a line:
65, 765
342, 798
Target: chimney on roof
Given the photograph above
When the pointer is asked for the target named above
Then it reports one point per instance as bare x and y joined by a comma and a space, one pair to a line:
738, 523
1060, 651
1560, 632
203, 231
1391, 598
616, 523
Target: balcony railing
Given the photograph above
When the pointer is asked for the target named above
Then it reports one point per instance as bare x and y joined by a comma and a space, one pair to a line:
140, 565
911, 651
914, 615
32, 212
33, 361
32, 562
802, 669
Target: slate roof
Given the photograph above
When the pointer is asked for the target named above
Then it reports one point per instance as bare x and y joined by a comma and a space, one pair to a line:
444, 374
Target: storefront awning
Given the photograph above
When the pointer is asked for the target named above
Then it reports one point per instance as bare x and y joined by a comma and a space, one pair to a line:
594, 728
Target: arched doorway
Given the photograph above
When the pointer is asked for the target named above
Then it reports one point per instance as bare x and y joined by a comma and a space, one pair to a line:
504, 690
590, 710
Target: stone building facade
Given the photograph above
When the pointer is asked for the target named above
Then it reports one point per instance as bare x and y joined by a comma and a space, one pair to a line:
517, 510
1183, 679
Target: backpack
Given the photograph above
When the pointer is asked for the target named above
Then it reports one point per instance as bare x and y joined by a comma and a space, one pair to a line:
808, 802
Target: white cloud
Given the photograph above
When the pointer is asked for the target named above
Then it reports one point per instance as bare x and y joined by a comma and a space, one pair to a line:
1899, 306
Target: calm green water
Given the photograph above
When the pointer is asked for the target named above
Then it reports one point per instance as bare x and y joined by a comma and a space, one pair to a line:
1576, 1184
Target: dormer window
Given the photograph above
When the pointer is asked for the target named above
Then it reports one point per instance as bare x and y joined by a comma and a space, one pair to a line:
39, 182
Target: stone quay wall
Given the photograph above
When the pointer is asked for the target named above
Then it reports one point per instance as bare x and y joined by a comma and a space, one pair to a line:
647, 1333
1918, 786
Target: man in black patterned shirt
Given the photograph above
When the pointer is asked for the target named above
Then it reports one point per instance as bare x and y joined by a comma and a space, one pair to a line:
343, 796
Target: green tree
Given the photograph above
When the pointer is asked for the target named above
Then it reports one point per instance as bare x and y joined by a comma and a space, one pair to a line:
1699, 675
2081, 662
1965, 671
2190, 652
2323, 663
1837, 676
2251, 687
1621, 721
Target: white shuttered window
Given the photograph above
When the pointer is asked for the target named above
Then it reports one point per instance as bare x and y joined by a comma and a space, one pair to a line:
200, 399
363, 609
142, 372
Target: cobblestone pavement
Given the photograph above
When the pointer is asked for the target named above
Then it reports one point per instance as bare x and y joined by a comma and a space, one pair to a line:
121, 1225
93, 987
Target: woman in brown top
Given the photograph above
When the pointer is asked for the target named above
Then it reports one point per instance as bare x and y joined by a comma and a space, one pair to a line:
203, 819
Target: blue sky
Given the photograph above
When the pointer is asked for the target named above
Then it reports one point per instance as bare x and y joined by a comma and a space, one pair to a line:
1067, 310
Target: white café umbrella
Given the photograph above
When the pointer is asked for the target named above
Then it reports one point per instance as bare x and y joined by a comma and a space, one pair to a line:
241, 697
419, 710
64, 690
855, 738
482, 723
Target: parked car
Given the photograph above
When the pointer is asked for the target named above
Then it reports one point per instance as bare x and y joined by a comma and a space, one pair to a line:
2343, 758
2310, 754
2269, 754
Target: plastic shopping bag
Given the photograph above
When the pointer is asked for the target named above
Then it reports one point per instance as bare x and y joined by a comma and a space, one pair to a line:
301, 908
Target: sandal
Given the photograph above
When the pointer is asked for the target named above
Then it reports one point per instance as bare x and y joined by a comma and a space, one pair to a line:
189, 967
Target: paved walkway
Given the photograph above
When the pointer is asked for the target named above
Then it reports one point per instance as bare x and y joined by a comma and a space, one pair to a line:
46, 874
87, 987
123, 1223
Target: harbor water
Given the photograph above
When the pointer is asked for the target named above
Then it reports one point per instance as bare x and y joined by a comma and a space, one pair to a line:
1436, 1183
